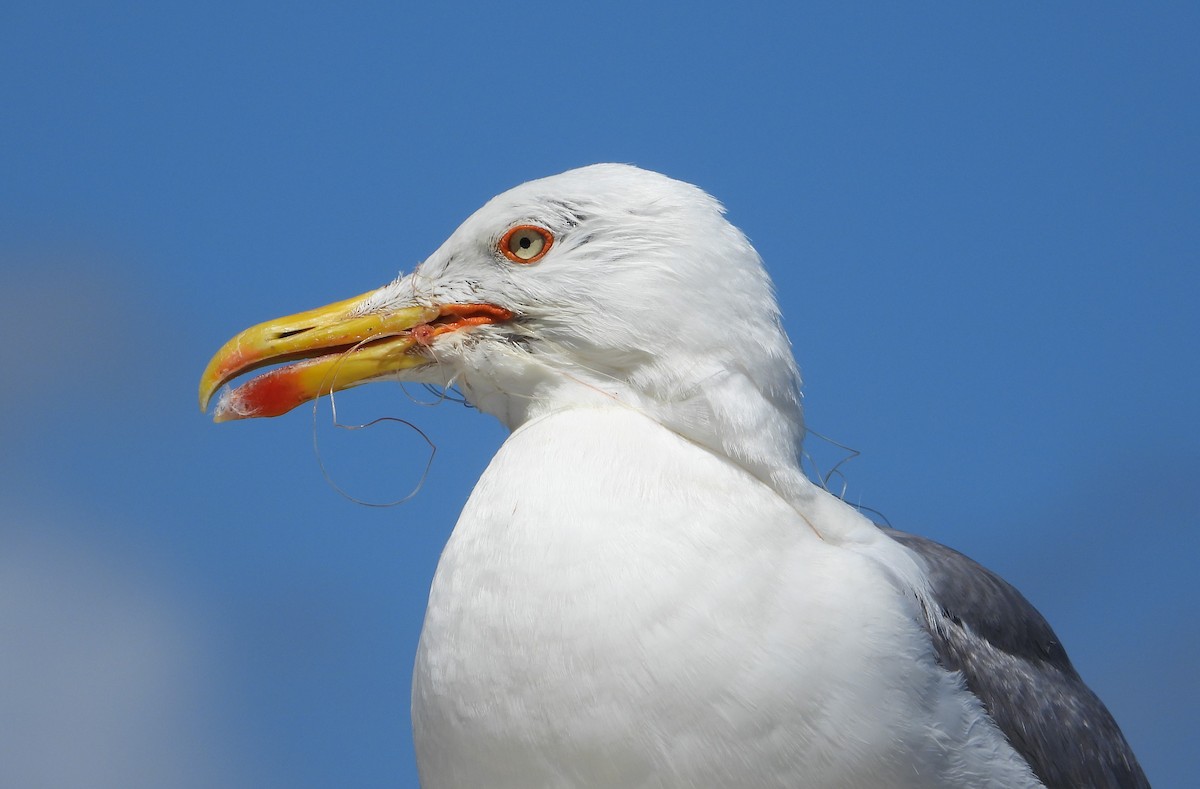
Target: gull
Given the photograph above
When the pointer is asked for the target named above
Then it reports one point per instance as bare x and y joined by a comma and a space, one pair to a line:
644, 589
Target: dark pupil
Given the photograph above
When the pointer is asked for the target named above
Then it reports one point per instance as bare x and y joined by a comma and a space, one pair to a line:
525, 242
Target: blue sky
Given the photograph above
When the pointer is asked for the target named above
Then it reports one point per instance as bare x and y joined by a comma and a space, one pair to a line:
982, 225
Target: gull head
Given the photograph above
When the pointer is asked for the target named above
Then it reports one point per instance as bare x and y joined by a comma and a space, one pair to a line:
603, 286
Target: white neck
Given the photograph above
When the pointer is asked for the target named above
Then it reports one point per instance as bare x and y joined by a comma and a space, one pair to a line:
720, 409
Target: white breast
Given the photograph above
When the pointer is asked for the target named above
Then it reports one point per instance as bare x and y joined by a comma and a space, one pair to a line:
620, 608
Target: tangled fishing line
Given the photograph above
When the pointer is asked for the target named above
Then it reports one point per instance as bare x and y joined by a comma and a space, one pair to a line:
329, 385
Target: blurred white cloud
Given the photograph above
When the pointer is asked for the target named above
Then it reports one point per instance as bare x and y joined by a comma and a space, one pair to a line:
104, 680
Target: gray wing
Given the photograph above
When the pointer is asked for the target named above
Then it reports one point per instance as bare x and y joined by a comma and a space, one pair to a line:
1012, 661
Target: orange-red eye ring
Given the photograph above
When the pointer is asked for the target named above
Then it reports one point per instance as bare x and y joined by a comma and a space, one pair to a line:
526, 244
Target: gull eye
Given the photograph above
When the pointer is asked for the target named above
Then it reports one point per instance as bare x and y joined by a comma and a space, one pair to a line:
526, 243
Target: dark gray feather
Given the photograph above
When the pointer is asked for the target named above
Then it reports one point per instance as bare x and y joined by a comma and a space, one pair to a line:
1012, 661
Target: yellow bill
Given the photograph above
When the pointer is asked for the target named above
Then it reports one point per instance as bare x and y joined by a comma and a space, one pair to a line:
328, 349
